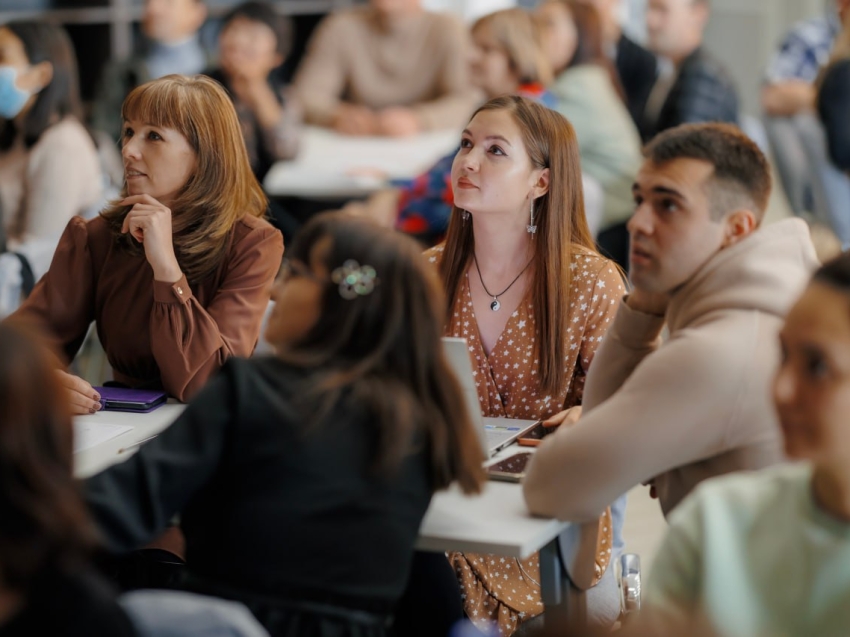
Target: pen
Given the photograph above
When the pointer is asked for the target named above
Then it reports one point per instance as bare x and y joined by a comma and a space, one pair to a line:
136, 444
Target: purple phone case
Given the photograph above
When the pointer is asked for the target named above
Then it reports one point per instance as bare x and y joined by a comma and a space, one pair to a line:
135, 400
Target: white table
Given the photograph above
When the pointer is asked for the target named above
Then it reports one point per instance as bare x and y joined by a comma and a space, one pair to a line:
494, 522
331, 165
90, 461
497, 522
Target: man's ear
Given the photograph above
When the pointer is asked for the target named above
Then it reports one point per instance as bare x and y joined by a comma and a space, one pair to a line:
739, 225
541, 186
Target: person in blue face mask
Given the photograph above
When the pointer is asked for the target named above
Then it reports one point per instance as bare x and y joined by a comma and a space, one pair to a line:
49, 166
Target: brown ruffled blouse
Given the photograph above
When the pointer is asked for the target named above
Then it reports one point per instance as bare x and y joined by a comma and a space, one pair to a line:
155, 334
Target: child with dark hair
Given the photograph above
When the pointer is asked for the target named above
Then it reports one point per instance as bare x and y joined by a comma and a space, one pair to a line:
254, 43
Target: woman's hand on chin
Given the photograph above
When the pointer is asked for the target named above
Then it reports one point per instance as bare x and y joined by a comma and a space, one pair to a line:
149, 223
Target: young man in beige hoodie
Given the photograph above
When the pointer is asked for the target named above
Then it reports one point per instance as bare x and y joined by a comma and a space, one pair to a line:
696, 405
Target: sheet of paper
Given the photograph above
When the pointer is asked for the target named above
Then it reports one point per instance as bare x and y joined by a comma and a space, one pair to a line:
91, 434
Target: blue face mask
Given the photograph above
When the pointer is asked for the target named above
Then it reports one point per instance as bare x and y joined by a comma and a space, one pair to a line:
12, 98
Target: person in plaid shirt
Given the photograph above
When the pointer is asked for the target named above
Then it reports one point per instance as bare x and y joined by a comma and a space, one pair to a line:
811, 182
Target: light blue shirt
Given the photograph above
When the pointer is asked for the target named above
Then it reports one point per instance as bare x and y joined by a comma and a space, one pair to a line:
186, 58
751, 555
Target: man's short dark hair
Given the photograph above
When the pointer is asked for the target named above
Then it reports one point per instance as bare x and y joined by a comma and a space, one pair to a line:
264, 13
741, 172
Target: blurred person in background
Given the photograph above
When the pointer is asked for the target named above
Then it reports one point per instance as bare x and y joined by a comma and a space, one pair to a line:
692, 85
49, 167
636, 67
171, 44
589, 95
506, 59
254, 41
812, 182
386, 68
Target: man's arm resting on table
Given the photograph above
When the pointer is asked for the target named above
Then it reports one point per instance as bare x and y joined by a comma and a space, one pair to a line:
671, 412
634, 335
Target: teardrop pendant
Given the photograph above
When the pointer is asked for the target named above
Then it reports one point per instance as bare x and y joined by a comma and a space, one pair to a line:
495, 305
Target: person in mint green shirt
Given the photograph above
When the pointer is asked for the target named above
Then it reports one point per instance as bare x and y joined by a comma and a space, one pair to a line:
768, 553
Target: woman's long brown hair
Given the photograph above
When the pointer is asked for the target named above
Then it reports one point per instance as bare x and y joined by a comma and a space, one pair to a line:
223, 188
43, 520
550, 141
383, 352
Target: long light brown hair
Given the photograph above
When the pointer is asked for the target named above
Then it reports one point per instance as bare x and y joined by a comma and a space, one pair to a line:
550, 141
516, 32
383, 352
223, 188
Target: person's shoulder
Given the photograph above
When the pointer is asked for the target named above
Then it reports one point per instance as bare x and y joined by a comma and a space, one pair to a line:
633, 49
68, 127
704, 64
745, 495
815, 32
443, 22
254, 228
435, 255
350, 19
583, 258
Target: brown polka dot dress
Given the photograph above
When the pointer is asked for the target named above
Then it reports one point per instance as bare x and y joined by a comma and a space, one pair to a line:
502, 590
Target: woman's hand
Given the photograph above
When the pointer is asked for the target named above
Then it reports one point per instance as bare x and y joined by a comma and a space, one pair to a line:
82, 398
149, 223
566, 417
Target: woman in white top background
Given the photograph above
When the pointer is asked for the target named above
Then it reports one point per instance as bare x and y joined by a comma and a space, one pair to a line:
49, 166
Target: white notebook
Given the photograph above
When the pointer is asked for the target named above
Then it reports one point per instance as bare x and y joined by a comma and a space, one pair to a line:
91, 434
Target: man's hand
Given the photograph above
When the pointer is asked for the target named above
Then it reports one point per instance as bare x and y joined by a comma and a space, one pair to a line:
398, 122
351, 119
788, 98
648, 302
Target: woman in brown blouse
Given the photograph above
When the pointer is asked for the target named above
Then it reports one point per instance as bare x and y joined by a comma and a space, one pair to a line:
532, 297
177, 274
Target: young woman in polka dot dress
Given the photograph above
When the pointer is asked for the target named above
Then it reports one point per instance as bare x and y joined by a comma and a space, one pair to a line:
533, 298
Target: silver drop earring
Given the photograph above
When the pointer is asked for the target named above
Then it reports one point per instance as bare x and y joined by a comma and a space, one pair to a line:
465, 215
531, 228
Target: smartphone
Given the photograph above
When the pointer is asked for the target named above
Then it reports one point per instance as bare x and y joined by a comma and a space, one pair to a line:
532, 437
137, 400
510, 469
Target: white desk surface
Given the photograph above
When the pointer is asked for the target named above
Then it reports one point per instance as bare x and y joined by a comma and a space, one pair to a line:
331, 165
91, 461
496, 522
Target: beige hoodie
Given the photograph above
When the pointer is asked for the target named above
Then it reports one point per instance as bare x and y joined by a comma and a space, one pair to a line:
694, 407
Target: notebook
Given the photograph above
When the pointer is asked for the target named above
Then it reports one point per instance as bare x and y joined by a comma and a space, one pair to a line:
494, 433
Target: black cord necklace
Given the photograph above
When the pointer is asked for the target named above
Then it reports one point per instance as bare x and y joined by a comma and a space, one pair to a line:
495, 305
